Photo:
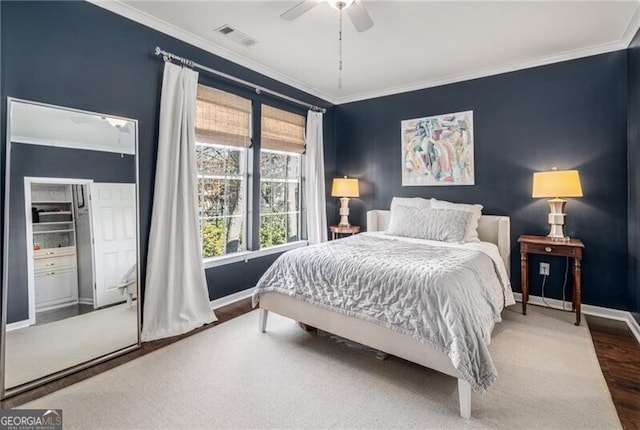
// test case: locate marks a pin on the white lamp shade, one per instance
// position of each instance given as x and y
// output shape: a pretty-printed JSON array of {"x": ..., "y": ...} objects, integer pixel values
[{"x": 345, "y": 187}]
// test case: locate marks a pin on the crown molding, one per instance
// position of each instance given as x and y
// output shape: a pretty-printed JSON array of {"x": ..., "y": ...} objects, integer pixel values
[
  {"x": 632, "y": 28},
  {"x": 133, "y": 14},
  {"x": 152, "y": 22},
  {"x": 482, "y": 73}
]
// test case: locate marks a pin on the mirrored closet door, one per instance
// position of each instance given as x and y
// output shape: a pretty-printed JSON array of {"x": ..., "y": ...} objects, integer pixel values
[{"x": 70, "y": 287}]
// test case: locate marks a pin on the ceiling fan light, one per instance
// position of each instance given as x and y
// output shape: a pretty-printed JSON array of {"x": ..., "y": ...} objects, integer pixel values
[{"x": 340, "y": 4}]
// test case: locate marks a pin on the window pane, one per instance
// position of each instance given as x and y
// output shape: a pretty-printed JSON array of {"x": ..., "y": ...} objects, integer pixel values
[
  {"x": 221, "y": 198},
  {"x": 293, "y": 229},
  {"x": 222, "y": 235},
  {"x": 279, "y": 198},
  {"x": 293, "y": 197},
  {"x": 272, "y": 230},
  {"x": 293, "y": 166},
  {"x": 272, "y": 197},
  {"x": 219, "y": 160},
  {"x": 279, "y": 165},
  {"x": 273, "y": 164}
]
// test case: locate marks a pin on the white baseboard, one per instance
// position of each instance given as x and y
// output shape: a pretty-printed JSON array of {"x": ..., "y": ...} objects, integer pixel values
[
  {"x": 232, "y": 298},
  {"x": 19, "y": 324},
  {"x": 613, "y": 314}
]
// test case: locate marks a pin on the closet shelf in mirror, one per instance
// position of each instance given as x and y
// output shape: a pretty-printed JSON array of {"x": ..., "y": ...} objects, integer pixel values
[
  {"x": 54, "y": 222},
  {"x": 51, "y": 231},
  {"x": 55, "y": 213},
  {"x": 50, "y": 202}
]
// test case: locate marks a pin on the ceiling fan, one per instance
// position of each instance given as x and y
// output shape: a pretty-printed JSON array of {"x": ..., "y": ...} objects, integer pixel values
[{"x": 354, "y": 8}]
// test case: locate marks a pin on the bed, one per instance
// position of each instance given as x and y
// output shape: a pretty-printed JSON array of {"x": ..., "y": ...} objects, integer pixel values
[{"x": 395, "y": 340}]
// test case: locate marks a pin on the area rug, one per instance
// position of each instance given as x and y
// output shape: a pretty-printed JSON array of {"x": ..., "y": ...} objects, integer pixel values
[{"x": 231, "y": 376}]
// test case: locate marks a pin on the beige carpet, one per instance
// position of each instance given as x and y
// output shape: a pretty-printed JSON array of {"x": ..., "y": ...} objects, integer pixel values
[
  {"x": 231, "y": 376},
  {"x": 39, "y": 350}
]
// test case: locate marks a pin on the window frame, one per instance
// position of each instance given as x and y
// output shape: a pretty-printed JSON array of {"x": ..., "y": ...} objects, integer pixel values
[{"x": 253, "y": 179}]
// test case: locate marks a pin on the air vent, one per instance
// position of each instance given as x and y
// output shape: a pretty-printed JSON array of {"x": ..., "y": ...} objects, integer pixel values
[{"x": 236, "y": 36}]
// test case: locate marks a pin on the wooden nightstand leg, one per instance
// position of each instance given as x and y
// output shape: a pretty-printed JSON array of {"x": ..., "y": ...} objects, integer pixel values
[
  {"x": 524, "y": 273},
  {"x": 573, "y": 290},
  {"x": 576, "y": 288}
]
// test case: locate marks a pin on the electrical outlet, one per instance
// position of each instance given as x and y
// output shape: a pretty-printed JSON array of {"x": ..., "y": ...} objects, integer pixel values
[{"x": 544, "y": 268}]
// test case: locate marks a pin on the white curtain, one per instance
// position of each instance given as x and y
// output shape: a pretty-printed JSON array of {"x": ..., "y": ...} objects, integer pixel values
[
  {"x": 176, "y": 298},
  {"x": 314, "y": 180}
]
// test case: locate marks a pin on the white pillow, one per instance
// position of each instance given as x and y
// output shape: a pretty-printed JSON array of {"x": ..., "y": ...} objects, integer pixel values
[
  {"x": 411, "y": 202},
  {"x": 471, "y": 234},
  {"x": 445, "y": 225}
]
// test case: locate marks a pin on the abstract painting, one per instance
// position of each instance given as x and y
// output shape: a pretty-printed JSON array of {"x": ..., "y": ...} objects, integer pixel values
[{"x": 438, "y": 150}]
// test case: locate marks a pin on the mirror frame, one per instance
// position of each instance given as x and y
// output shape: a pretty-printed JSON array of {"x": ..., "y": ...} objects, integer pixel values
[{"x": 4, "y": 392}]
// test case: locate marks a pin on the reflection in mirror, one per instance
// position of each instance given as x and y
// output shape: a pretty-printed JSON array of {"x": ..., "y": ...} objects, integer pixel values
[{"x": 71, "y": 278}]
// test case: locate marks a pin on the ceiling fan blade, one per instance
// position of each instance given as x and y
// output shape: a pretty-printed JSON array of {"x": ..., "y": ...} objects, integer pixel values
[
  {"x": 359, "y": 16},
  {"x": 302, "y": 7}
]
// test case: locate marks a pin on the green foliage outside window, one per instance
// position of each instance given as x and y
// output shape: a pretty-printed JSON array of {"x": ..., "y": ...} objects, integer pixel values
[
  {"x": 213, "y": 240},
  {"x": 272, "y": 231}
]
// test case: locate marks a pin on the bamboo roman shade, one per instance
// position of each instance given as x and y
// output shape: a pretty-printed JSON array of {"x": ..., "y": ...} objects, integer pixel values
[
  {"x": 222, "y": 118},
  {"x": 282, "y": 130}
]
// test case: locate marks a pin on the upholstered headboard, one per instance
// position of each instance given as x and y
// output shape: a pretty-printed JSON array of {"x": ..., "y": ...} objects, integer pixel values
[{"x": 491, "y": 228}]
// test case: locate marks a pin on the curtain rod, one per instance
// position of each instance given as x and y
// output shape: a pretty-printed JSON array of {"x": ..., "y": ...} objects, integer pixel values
[{"x": 168, "y": 56}]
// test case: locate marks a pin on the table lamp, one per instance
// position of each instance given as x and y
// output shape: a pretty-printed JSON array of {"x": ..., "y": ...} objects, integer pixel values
[
  {"x": 556, "y": 184},
  {"x": 345, "y": 188}
]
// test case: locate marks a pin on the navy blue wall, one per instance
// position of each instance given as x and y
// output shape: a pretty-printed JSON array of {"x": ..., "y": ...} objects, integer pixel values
[
  {"x": 569, "y": 115},
  {"x": 634, "y": 172},
  {"x": 78, "y": 55}
]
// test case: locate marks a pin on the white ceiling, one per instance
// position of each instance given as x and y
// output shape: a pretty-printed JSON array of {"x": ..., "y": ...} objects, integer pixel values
[{"x": 413, "y": 44}]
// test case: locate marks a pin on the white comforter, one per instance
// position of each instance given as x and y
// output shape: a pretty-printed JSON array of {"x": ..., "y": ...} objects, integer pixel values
[{"x": 447, "y": 295}]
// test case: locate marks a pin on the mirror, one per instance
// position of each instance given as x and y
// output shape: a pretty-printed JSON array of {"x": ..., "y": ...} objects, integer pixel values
[{"x": 70, "y": 284}]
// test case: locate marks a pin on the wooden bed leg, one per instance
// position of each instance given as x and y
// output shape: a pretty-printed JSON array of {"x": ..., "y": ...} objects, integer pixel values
[
  {"x": 263, "y": 320},
  {"x": 464, "y": 396}
]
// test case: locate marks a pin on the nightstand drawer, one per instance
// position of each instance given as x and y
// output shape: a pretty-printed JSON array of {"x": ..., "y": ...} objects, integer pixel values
[{"x": 551, "y": 249}]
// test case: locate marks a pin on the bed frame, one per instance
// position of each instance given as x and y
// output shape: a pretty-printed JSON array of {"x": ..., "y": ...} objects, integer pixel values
[{"x": 495, "y": 229}]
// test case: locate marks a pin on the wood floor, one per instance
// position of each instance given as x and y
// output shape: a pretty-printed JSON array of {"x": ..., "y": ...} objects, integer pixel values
[
  {"x": 617, "y": 349},
  {"x": 619, "y": 354}
]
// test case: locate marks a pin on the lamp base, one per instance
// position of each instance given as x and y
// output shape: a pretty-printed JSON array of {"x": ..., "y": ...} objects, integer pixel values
[
  {"x": 556, "y": 219},
  {"x": 344, "y": 212}
]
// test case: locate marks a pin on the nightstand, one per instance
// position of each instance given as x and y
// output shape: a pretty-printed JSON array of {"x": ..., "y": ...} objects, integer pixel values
[
  {"x": 337, "y": 230},
  {"x": 546, "y": 246}
]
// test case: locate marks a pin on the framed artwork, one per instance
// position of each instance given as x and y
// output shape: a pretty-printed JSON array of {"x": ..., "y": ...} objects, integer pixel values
[{"x": 438, "y": 150}]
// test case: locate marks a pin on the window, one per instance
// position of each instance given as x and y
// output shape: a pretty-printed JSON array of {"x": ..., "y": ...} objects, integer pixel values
[
  {"x": 226, "y": 177},
  {"x": 279, "y": 198},
  {"x": 282, "y": 140},
  {"x": 223, "y": 134}
]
